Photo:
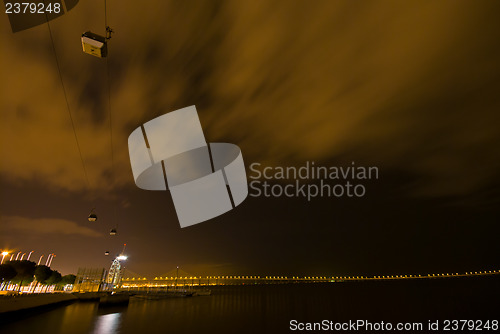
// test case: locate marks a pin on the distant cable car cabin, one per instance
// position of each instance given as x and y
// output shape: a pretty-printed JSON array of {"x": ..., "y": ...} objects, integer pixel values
[
  {"x": 94, "y": 44},
  {"x": 113, "y": 231},
  {"x": 92, "y": 217}
]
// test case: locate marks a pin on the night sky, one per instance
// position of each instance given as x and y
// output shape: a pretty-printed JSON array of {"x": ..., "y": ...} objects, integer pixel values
[{"x": 411, "y": 87}]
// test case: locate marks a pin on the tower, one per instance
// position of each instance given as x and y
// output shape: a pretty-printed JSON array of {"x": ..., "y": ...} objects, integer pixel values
[
  {"x": 115, "y": 274},
  {"x": 115, "y": 271}
]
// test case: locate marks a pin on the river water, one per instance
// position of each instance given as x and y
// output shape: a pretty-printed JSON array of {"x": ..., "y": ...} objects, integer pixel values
[{"x": 271, "y": 308}]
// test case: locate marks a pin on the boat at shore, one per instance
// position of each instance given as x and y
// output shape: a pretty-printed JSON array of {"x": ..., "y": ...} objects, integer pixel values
[
  {"x": 88, "y": 296},
  {"x": 114, "y": 298}
]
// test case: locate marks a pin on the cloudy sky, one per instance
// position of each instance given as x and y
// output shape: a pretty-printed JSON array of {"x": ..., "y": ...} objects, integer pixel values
[{"x": 411, "y": 87}]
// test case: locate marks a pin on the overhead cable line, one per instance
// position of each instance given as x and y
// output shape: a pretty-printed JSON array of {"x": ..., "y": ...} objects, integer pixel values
[
  {"x": 67, "y": 103},
  {"x": 108, "y": 36}
]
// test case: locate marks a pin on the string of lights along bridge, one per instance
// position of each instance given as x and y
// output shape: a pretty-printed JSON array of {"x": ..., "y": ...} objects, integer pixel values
[{"x": 135, "y": 282}]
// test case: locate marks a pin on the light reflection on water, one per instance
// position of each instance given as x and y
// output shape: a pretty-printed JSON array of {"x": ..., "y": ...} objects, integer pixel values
[
  {"x": 76, "y": 318},
  {"x": 107, "y": 324}
]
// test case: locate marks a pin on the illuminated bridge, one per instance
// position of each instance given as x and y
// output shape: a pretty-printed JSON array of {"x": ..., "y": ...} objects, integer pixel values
[{"x": 172, "y": 281}]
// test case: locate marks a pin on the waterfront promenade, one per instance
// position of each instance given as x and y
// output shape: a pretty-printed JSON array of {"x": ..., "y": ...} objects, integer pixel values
[{"x": 21, "y": 302}]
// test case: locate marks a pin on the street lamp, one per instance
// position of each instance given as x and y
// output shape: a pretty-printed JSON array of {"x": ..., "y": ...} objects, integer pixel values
[
  {"x": 4, "y": 254},
  {"x": 52, "y": 258}
]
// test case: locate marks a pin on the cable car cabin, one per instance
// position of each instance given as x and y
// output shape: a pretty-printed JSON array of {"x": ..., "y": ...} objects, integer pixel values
[
  {"x": 113, "y": 231},
  {"x": 94, "y": 44},
  {"x": 92, "y": 217}
]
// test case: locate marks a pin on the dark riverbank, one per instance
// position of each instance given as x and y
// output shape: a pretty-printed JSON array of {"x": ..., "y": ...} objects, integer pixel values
[{"x": 20, "y": 306}]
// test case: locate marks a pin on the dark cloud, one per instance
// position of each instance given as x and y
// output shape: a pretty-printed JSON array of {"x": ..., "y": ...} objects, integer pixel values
[
  {"x": 312, "y": 81},
  {"x": 408, "y": 86},
  {"x": 44, "y": 226}
]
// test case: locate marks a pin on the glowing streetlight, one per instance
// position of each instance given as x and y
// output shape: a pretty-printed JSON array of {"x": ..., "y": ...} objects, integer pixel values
[
  {"x": 52, "y": 258},
  {"x": 48, "y": 259},
  {"x": 4, "y": 254}
]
